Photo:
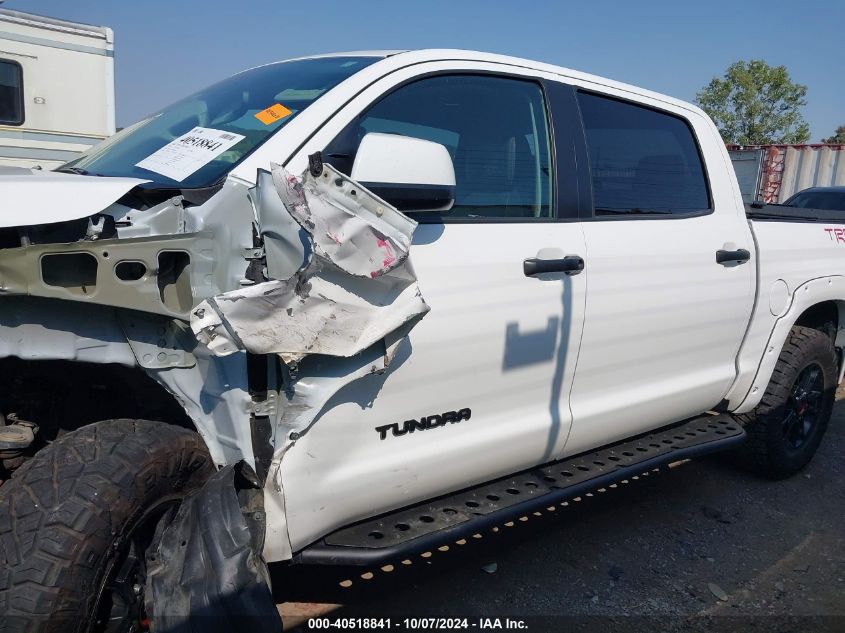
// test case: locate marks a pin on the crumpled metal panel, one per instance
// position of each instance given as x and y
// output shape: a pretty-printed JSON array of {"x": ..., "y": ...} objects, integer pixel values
[
  {"x": 33, "y": 328},
  {"x": 283, "y": 243},
  {"x": 356, "y": 287}
]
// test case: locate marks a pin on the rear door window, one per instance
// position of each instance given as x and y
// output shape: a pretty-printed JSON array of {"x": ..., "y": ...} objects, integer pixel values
[
  {"x": 642, "y": 161},
  {"x": 11, "y": 93}
]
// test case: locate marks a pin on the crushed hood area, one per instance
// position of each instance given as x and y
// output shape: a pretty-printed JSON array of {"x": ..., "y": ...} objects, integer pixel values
[
  {"x": 305, "y": 278},
  {"x": 44, "y": 197}
]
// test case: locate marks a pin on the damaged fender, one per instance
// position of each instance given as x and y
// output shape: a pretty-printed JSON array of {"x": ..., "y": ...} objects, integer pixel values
[
  {"x": 339, "y": 317},
  {"x": 206, "y": 574}
]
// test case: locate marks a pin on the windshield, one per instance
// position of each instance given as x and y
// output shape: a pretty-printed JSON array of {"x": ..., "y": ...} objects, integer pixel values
[
  {"x": 832, "y": 200},
  {"x": 195, "y": 142}
]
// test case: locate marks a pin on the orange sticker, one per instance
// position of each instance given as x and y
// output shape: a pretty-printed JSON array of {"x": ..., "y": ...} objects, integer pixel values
[{"x": 274, "y": 113}]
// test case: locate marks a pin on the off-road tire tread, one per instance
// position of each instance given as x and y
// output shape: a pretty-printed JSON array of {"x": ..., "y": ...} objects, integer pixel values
[
  {"x": 63, "y": 509},
  {"x": 802, "y": 345}
]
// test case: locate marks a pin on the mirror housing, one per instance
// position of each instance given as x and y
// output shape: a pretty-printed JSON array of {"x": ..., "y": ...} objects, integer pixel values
[{"x": 410, "y": 173}]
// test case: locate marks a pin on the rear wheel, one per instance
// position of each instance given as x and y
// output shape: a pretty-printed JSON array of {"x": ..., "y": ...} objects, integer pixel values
[
  {"x": 786, "y": 428},
  {"x": 77, "y": 519}
]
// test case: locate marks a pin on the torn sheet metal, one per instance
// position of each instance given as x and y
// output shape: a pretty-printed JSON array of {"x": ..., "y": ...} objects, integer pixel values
[
  {"x": 284, "y": 241},
  {"x": 207, "y": 574},
  {"x": 35, "y": 197},
  {"x": 355, "y": 288}
]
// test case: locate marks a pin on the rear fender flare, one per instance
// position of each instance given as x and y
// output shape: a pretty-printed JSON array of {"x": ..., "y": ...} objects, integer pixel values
[{"x": 807, "y": 295}]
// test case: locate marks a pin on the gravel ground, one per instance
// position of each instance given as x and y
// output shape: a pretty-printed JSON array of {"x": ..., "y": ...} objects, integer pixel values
[{"x": 701, "y": 546}]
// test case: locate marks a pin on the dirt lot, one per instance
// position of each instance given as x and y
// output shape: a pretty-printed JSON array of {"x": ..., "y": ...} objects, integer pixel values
[{"x": 700, "y": 546}]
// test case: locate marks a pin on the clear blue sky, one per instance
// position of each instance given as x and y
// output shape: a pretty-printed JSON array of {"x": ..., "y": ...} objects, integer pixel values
[{"x": 167, "y": 49}]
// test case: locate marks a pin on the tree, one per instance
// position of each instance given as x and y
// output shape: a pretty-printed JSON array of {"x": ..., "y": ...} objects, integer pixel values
[
  {"x": 838, "y": 136},
  {"x": 756, "y": 104}
]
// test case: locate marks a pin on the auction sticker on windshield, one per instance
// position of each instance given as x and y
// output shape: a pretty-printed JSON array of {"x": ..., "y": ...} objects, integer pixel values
[{"x": 183, "y": 156}]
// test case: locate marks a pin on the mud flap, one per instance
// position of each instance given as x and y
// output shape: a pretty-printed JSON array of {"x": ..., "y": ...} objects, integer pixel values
[{"x": 207, "y": 574}]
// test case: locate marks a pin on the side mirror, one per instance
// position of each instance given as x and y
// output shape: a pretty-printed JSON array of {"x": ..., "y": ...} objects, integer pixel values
[{"x": 410, "y": 173}]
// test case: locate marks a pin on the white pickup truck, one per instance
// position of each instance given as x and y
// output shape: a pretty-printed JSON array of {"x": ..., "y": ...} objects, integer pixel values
[{"x": 347, "y": 309}]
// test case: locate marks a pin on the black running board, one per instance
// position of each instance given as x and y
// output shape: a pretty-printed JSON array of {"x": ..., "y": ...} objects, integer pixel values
[{"x": 427, "y": 525}]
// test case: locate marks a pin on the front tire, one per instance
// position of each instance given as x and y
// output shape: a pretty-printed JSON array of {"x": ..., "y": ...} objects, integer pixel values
[
  {"x": 76, "y": 518},
  {"x": 786, "y": 428}
]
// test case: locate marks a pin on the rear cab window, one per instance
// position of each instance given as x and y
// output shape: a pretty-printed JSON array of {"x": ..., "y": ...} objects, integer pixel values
[
  {"x": 643, "y": 162},
  {"x": 11, "y": 93}
]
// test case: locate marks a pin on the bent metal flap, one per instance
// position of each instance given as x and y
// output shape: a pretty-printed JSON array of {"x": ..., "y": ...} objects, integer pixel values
[{"x": 354, "y": 288}]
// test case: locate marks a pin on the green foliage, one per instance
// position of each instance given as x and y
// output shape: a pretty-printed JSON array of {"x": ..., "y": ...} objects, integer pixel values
[
  {"x": 838, "y": 136},
  {"x": 756, "y": 104}
]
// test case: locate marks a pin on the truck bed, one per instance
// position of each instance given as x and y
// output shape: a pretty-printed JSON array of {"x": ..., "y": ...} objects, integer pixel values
[{"x": 783, "y": 213}]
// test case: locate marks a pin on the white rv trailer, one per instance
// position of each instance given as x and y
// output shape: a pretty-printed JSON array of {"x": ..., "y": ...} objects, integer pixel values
[{"x": 56, "y": 89}]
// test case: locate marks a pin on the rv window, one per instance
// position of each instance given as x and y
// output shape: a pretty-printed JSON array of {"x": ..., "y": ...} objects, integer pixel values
[{"x": 11, "y": 93}]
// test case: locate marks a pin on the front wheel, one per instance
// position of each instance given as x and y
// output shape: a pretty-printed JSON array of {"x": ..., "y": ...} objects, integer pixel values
[
  {"x": 786, "y": 428},
  {"x": 76, "y": 519}
]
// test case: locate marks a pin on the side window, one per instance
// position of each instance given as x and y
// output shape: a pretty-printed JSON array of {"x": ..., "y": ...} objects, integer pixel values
[
  {"x": 11, "y": 93},
  {"x": 495, "y": 129},
  {"x": 641, "y": 160}
]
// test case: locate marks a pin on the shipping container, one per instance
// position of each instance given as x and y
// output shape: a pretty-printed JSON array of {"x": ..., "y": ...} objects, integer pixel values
[{"x": 772, "y": 173}]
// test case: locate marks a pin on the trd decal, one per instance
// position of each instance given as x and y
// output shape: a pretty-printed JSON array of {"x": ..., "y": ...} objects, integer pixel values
[
  {"x": 423, "y": 424},
  {"x": 836, "y": 235}
]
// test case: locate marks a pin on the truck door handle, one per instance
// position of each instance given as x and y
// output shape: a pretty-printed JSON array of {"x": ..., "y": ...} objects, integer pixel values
[
  {"x": 726, "y": 257},
  {"x": 571, "y": 264}
]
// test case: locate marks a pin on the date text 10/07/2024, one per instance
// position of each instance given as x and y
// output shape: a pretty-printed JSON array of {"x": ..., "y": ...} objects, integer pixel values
[{"x": 414, "y": 624}]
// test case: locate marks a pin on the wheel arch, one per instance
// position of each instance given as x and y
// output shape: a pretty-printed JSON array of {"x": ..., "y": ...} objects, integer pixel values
[
  {"x": 118, "y": 350},
  {"x": 818, "y": 304},
  {"x": 826, "y": 316}
]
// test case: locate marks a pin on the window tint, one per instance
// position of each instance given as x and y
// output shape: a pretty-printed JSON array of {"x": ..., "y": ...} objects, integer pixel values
[
  {"x": 494, "y": 128},
  {"x": 11, "y": 93},
  {"x": 830, "y": 200},
  {"x": 641, "y": 160}
]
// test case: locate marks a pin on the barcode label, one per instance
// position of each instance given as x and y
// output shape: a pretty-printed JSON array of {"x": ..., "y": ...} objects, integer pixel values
[{"x": 184, "y": 155}]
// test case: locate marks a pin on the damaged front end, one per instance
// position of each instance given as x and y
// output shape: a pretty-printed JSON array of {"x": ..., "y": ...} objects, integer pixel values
[{"x": 220, "y": 298}]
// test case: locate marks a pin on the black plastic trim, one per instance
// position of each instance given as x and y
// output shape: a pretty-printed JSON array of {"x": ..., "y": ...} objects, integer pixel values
[
  {"x": 544, "y": 486},
  {"x": 570, "y": 264},
  {"x": 412, "y": 197},
  {"x": 573, "y": 197},
  {"x": 727, "y": 257}
]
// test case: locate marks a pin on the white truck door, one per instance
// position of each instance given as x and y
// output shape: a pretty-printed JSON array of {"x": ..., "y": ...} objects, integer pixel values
[
  {"x": 497, "y": 352},
  {"x": 664, "y": 319}
]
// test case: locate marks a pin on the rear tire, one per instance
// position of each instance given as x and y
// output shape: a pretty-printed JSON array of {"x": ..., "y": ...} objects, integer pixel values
[
  {"x": 71, "y": 522},
  {"x": 786, "y": 428}
]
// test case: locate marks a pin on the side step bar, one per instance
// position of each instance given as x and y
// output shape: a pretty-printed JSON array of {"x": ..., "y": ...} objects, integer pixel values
[{"x": 434, "y": 523}]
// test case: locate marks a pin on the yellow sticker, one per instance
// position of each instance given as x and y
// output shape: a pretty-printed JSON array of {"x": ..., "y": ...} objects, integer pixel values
[{"x": 275, "y": 112}]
